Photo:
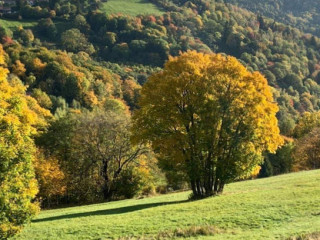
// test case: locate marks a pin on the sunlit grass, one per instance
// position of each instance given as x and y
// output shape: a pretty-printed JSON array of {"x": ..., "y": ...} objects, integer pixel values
[
  {"x": 131, "y": 7},
  {"x": 13, "y": 24},
  {"x": 272, "y": 208}
]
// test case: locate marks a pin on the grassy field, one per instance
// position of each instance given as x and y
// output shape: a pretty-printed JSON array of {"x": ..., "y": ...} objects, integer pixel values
[
  {"x": 131, "y": 7},
  {"x": 273, "y": 208},
  {"x": 12, "y": 24}
]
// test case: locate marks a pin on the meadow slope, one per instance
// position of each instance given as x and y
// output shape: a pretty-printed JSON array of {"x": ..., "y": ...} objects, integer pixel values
[
  {"x": 272, "y": 208},
  {"x": 130, "y": 7},
  {"x": 14, "y": 24}
]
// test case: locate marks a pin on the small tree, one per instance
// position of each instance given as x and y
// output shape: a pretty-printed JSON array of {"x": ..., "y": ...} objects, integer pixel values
[
  {"x": 102, "y": 142},
  {"x": 307, "y": 151},
  {"x": 74, "y": 41},
  {"x": 209, "y": 116},
  {"x": 50, "y": 179},
  {"x": 306, "y": 124},
  {"x": 47, "y": 28},
  {"x": 94, "y": 149}
]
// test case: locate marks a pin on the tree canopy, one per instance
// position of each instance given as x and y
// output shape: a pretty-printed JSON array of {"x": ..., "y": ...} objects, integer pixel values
[
  {"x": 210, "y": 116},
  {"x": 307, "y": 151}
]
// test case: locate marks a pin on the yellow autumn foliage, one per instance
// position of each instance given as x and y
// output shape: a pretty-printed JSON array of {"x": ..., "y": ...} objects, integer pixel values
[
  {"x": 50, "y": 177},
  {"x": 210, "y": 116},
  {"x": 21, "y": 118}
]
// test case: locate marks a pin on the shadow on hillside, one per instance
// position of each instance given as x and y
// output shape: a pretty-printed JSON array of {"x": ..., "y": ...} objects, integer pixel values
[{"x": 108, "y": 211}]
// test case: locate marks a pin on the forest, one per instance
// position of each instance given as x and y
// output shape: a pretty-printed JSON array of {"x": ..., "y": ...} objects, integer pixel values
[
  {"x": 300, "y": 14},
  {"x": 92, "y": 107}
]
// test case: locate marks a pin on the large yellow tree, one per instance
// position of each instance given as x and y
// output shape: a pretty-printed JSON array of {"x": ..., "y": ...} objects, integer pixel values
[
  {"x": 209, "y": 117},
  {"x": 20, "y": 116}
]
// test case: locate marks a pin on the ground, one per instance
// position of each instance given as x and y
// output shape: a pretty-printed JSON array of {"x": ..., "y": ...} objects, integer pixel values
[
  {"x": 12, "y": 24},
  {"x": 272, "y": 208},
  {"x": 130, "y": 7}
]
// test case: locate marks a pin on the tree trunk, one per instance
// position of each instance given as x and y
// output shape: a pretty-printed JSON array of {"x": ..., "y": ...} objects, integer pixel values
[
  {"x": 221, "y": 186},
  {"x": 209, "y": 186},
  {"x": 199, "y": 192},
  {"x": 202, "y": 189},
  {"x": 193, "y": 187},
  {"x": 204, "y": 180},
  {"x": 216, "y": 186},
  {"x": 107, "y": 193}
]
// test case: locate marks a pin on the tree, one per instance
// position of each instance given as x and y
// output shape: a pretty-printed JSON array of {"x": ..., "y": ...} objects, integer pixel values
[
  {"x": 307, "y": 151},
  {"x": 80, "y": 22},
  {"x": 279, "y": 163},
  {"x": 110, "y": 38},
  {"x": 19, "y": 69},
  {"x": 102, "y": 140},
  {"x": 50, "y": 179},
  {"x": 42, "y": 98},
  {"x": 75, "y": 41},
  {"x": 130, "y": 92},
  {"x": 93, "y": 149},
  {"x": 306, "y": 124},
  {"x": 20, "y": 116},
  {"x": 26, "y": 36},
  {"x": 210, "y": 116},
  {"x": 47, "y": 28}
]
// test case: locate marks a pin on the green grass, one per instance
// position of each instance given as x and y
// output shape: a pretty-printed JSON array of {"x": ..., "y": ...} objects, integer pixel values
[
  {"x": 131, "y": 7},
  {"x": 272, "y": 208},
  {"x": 12, "y": 24}
]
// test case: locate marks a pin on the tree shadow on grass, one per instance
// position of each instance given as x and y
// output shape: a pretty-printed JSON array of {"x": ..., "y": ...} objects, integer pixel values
[{"x": 112, "y": 211}]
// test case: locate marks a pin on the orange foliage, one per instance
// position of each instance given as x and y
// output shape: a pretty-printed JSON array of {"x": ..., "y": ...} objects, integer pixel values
[{"x": 19, "y": 68}]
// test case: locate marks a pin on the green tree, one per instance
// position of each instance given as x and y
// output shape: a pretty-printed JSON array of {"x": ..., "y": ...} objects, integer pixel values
[
  {"x": 74, "y": 41},
  {"x": 80, "y": 22},
  {"x": 210, "y": 116},
  {"x": 94, "y": 149},
  {"x": 47, "y": 28},
  {"x": 278, "y": 163},
  {"x": 306, "y": 124}
]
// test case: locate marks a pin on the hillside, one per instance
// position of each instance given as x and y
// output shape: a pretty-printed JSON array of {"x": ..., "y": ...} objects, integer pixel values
[
  {"x": 138, "y": 41},
  {"x": 304, "y": 15},
  {"x": 86, "y": 62},
  {"x": 277, "y": 207}
]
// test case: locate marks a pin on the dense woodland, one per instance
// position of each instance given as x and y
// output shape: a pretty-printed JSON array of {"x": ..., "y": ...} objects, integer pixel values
[
  {"x": 300, "y": 14},
  {"x": 79, "y": 74}
]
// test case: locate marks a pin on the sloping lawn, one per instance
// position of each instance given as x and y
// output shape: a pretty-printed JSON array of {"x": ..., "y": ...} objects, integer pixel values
[
  {"x": 12, "y": 24},
  {"x": 272, "y": 208},
  {"x": 131, "y": 7}
]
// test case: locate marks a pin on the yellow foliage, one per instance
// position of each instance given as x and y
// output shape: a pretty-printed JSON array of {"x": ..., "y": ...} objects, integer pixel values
[
  {"x": 144, "y": 172},
  {"x": 208, "y": 109},
  {"x": 18, "y": 68},
  {"x": 2, "y": 54},
  {"x": 91, "y": 99},
  {"x": 49, "y": 175},
  {"x": 198, "y": 22},
  {"x": 39, "y": 65},
  {"x": 20, "y": 119},
  {"x": 306, "y": 123}
]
